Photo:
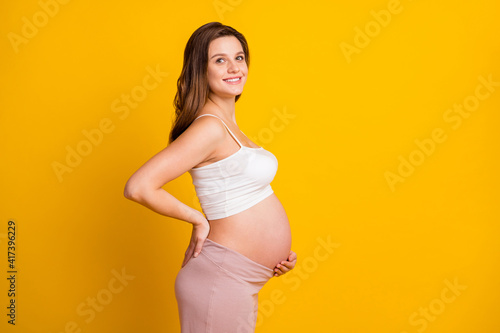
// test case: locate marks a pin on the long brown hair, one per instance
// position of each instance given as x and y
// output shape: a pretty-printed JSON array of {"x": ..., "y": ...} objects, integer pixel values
[{"x": 192, "y": 85}]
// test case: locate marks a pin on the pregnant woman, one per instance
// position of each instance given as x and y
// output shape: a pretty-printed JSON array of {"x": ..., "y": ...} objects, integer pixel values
[{"x": 243, "y": 236}]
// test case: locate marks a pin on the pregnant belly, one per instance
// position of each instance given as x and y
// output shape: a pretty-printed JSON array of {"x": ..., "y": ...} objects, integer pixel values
[{"x": 261, "y": 233}]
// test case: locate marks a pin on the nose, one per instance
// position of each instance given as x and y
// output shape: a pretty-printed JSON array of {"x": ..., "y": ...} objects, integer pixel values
[{"x": 233, "y": 67}]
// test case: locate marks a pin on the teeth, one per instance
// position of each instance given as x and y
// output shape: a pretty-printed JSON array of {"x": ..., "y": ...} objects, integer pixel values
[{"x": 232, "y": 80}]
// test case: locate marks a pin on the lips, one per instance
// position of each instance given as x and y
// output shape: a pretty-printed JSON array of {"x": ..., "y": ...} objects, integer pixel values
[{"x": 232, "y": 79}]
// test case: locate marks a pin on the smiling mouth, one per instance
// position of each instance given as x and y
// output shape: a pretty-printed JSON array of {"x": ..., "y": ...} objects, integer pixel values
[{"x": 232, "y": 80}]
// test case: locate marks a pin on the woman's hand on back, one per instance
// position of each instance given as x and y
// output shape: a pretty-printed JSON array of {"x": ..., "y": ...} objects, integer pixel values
[{"x": 198, "y": 236}]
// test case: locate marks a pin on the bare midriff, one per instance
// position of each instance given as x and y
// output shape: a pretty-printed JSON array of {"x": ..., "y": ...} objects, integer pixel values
[{"x": 261, "y": 232}]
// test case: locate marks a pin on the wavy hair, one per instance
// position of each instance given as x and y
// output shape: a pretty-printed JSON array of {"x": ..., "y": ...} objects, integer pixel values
[{"x": 192, "y": 84}]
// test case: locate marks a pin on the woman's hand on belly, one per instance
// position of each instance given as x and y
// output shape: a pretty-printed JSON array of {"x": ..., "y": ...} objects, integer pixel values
[{"x": 286, "y": 265}]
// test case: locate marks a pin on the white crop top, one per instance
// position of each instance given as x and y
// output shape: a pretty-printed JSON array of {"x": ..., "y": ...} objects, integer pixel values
[{"x": 235, "y": 183}]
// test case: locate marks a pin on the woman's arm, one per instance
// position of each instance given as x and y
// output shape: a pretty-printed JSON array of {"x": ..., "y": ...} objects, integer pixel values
[
  {"x": 164, "y": 203},
  {"x": 195, "y": 145}
]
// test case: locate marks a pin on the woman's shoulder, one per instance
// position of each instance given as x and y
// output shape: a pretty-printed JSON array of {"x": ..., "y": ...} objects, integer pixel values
[{"x": 208, "y": 125}]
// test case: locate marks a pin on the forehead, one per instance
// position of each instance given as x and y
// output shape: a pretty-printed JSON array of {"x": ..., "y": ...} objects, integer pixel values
[{"x": 226, "y": 44}]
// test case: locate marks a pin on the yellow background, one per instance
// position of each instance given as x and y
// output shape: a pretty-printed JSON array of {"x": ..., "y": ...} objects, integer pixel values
[{"x": 351, "y": 119}]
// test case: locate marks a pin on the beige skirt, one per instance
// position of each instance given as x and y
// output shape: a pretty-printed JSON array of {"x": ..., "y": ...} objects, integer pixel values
[{"x": 217, "y": 292}]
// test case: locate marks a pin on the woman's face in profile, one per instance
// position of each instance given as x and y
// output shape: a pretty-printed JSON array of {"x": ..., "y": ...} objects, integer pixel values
[{"x": 227, "y": 69}]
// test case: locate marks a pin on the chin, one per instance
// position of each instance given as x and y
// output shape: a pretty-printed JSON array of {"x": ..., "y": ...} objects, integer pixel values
[{"x": 228, "y": 94}]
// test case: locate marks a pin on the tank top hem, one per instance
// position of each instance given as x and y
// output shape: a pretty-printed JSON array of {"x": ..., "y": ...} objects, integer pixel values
[{"x": 264, "y": 194}]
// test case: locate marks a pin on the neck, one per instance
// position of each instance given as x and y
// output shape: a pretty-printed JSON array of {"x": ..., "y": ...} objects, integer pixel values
[{"x": 225, "y": 105}]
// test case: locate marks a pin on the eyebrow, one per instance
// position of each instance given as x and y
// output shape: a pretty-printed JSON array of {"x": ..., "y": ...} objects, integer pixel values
[{"x": 223, "y": 54}]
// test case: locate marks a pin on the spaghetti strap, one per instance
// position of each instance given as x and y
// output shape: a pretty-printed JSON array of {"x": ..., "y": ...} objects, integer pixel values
[{"x": 208, "y": 114}]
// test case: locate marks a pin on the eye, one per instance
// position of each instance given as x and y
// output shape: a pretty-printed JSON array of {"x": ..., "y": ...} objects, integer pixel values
[{"x": 220, "y": 60}]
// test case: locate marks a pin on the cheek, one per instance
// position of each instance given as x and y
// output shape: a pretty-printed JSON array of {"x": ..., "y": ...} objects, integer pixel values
[
  {"x": 213, "y": 76},
  {"x": 215, "y": 72}
]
